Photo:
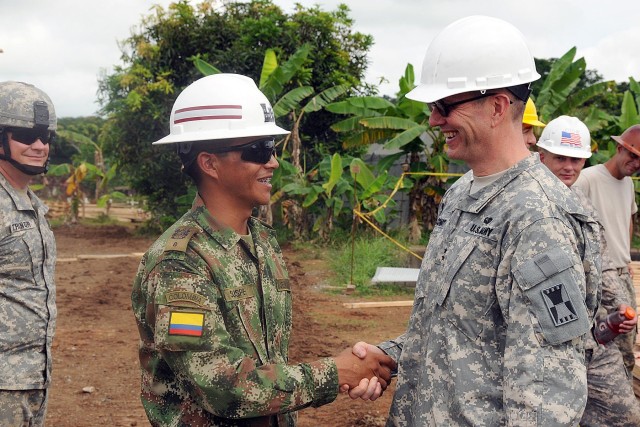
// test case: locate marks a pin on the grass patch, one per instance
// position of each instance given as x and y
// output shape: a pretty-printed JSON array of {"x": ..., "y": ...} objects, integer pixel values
[{"x": 368, "y": 253}]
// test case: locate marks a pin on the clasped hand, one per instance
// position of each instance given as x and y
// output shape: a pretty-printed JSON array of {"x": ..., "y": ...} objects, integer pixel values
[{"x": 364, "y": 371}]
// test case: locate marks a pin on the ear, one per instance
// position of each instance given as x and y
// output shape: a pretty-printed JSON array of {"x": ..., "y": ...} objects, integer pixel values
[
  {"x": 500, "y": 103},
  {"x": 208, "y": 164},
  {"x": 541, "y": 154}
]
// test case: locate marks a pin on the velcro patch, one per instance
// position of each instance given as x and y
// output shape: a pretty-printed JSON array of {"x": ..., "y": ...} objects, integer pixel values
[
  {"x": 179, "y": 239},
  {"x": 22, "y": 225},
  {"x": 185, "y": 296},
  {"x": 559, "y": 305},
  {"x": 238, "y": 293},
  {"x": 186, "y": 323},
  {"x": 283, "y": 284}
]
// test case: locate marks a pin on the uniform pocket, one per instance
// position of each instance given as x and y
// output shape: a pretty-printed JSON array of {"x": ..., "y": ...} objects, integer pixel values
[{"x": 467, "y": 291}]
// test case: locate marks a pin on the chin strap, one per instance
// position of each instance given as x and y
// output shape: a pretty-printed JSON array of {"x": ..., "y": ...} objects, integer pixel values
[{"x": 28, "y": 169}]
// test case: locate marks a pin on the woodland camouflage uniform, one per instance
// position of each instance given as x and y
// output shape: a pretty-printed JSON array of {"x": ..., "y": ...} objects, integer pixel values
[
  {"x": 502, "y": 308},
  {"x": 214, "y": 315},
  {"x": 611, "y": 401}
]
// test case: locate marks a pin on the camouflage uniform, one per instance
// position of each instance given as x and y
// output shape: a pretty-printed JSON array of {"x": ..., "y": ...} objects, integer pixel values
[
  {"x": 502, "y": 307},
  {"x": 214, "y": 316},
  {"x": 27, "y": 294},
  {"x": 611, "y": 401}
]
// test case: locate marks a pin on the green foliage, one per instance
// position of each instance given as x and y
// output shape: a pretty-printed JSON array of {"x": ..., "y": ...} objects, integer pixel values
[
  {"x": 329, "y": 193},
  {"x": 137, "y": 97},
  {"x": 401, "y": 124},
  {"x": 368, "y": 252}
]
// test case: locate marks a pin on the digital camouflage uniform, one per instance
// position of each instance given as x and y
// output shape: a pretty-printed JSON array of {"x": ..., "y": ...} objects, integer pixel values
[
  {"x": 502, "y": 307},
  {"x": 214, "y": 321},
  {"x": 611, "y": 401},
  {"x": 27, "y": 294}
]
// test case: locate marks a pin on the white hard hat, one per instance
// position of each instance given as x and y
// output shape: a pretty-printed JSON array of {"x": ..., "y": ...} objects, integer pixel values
[
  {"x": 473, "y": 54},
  {"x": 221, "y": 106},
  {"x": 566, "y": 136}
]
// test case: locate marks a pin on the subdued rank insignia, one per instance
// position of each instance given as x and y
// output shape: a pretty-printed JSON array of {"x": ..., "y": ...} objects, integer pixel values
[
  {"x": 559, "y": 305},
  {"x": 179, "y": 239}
]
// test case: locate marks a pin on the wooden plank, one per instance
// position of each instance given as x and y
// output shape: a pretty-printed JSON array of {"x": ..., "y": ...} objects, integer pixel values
[{"x": 378, "y": 304}]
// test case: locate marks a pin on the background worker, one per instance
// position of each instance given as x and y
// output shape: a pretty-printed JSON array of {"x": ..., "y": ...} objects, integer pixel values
[
  {"x": 529, "y": 120},
  {"x": 212, "y": 297},
  {"x": 502, "y": 304},
  {"x": 28, "y": 256},
  {"x": 564, "y": 146},
  {"x": 611, "y": 191}
]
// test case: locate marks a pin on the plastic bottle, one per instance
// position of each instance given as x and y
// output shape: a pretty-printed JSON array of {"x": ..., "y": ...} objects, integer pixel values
[{"x": 608, "y": 328}]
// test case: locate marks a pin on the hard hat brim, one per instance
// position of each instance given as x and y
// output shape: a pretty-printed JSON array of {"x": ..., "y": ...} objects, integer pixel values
[
  {"x": 566, "y": 152},
  {"x": 534, "y": 123},
  {"x": 620, "y": 141},
  {"x": 206, "y": 135}
]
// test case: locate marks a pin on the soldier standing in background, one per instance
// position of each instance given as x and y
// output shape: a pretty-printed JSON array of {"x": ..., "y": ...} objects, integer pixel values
[
  {"x": 28, "y": 253},
  {"x": 611, "y": 191},
  {"x": 212, "y": 297},
  {"x": 529, "y": 120},
  {"x": 564, "y": 146}
]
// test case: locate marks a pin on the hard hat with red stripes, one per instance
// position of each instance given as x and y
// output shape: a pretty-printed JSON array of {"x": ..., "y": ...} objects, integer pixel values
[{"x": 221, "y": 107}]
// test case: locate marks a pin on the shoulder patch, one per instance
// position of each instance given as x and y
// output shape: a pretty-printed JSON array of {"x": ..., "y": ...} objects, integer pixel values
[
  {"x": 186, "y": 323},
  {"x": 179, "y": 239},
  {"x": 185, "y": 296}
]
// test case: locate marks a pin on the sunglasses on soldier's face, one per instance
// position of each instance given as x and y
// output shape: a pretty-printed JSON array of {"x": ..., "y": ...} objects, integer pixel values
[
  {"x": 255, "y": 151},
  {"x": 445, "y": 108},
  {"x": 29, "y": 136}
]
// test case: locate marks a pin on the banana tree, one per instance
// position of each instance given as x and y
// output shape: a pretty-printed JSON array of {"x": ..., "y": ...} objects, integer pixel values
[
  {"x": 400, "y": 125},
  {"x": 558, "y": 94},
  {"x": 332, "y": 190}
]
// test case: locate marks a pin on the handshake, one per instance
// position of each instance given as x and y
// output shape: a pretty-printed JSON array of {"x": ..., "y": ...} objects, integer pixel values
[{"x": 364, "y": 371}]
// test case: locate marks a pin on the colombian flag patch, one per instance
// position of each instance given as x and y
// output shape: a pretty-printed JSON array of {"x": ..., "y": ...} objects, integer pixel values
[{"x": 186, "y": 323}]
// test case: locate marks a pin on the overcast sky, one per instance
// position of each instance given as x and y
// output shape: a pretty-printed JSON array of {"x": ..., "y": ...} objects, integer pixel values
[{"x": 62, "y": 46}]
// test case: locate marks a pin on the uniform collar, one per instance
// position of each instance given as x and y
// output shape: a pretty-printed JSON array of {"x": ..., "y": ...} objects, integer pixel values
[
  {"x": 20, "y": 203},
  {"x": 476, "y": 201},
  {"x": 224, "y": 235}
]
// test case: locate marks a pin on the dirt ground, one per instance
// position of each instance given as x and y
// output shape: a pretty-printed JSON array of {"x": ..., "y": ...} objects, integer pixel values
[{"x": 96, "y": 375}]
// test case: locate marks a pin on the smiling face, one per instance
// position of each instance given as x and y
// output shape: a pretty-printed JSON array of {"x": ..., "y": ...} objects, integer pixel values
[
  {"x": 567, "y": 169},
  {"x": 35, "y": 154},
  {"x": 626, "y": 163},
  {"x": 242, "y": 183},
  {"x": 462, "y": 126}
]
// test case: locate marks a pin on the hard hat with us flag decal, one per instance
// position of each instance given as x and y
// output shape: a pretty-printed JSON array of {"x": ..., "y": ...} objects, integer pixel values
[
  {"x": 566, "y": 136},
  {"x": 221, "y": 107}
]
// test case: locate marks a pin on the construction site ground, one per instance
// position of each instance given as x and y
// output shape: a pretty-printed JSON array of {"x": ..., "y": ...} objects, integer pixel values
[{"x": 96, "y": 376}]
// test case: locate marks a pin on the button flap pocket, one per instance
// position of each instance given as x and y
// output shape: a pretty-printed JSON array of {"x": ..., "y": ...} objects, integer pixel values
[
  {"x": 542, "y": 267},
  {"x": 555, "y": 299}
]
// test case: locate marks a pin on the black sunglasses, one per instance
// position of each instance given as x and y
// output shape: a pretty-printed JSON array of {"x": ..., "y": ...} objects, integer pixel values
[
  {"x": 255, "y": 151},
  {"x": 446, "y": 108},
  {"x": 29, "y": 136}
]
